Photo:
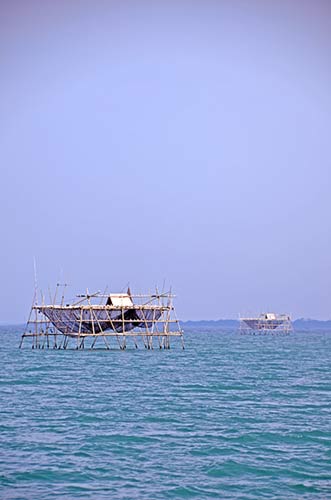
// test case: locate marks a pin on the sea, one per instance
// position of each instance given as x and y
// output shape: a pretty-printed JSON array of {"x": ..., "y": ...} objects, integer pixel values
[{"x": 230, "y": 417}]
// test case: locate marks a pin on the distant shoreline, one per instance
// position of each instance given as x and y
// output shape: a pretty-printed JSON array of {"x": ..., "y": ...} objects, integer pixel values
[
  {"x": 226, "y": 324},
  {"x": 298, "y": 324}
]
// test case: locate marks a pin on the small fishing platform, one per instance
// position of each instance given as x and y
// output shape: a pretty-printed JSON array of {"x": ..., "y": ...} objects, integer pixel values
[
  {"x": 94, "y": 318},
  {"x": 266, "y": 323}
]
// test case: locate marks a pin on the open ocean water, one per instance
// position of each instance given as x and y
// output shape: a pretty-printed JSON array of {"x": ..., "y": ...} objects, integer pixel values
[{"x": 238, "y": 417}]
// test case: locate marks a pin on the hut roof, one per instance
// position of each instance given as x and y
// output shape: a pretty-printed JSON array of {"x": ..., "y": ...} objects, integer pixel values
[{"x": 119, "y": 300}]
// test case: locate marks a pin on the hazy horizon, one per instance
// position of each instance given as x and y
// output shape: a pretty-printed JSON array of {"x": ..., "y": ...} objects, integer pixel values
[
  {"x": 12, "y": 323},
  {"x": 185, "y": 142}
]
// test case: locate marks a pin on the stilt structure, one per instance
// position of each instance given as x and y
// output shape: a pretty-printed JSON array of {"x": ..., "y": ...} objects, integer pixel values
[
  {"x": 266, "y": 323},
  {"x": 123, "y": 317}
]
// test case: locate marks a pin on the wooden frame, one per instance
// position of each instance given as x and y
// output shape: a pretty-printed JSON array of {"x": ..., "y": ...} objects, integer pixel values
[
  {"x": 266, "y": 323},
  {"x": 52, "y": 326}
]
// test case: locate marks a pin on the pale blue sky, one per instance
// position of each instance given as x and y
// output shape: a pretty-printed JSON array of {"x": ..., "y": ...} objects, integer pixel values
[{"x": 185, "y": 141}]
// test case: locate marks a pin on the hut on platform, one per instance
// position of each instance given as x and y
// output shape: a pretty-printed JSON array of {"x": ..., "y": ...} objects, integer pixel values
[
  {"x": 266, "y": 323},
  {"x": 99, "y": 319}
]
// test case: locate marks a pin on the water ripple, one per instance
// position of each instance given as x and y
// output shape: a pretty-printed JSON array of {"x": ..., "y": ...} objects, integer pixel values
[{"x": 229, "y": 417}]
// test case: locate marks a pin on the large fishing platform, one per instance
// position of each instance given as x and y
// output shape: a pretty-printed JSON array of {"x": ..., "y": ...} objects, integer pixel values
[
  {"x": 100, "y": 317},
  {"x": 266, "y": 323}
]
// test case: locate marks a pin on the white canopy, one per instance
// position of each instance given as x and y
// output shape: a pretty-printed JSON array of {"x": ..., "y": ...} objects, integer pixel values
[{"x": 120, "y": 300}]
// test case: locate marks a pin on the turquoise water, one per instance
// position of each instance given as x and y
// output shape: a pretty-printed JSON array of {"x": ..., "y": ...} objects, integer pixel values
[{"x": 230, "y": 417}]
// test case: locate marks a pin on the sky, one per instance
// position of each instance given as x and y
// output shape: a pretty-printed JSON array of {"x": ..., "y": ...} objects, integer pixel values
[{"x": 164, "y": 143}]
